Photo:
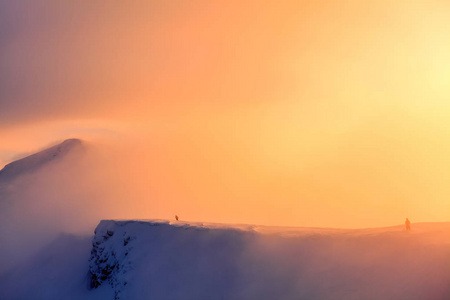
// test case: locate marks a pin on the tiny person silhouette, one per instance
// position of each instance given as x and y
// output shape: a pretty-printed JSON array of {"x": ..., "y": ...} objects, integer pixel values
[
  {"x": 408, "y": 224},
  {"x": 176, "y": 217}
]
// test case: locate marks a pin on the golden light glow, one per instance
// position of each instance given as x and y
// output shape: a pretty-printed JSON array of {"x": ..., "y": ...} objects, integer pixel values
[{"x": 307, "y": 113}]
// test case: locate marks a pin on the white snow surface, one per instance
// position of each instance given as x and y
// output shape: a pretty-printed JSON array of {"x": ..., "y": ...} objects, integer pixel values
[{"x": 157, "y": 259}]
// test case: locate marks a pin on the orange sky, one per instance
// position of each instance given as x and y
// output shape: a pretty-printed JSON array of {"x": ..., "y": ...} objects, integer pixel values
[{"x": 308, "y": 113}]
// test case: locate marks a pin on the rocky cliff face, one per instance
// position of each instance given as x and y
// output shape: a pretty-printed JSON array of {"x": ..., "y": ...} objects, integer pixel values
[{"x": 109, "y": 262}]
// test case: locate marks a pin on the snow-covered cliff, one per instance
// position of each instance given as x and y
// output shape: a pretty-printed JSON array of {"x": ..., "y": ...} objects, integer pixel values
[
  {"x": 139, "y": 260},
  {"x": 176, "y": 260},
  {"x": 166, "y": 260}
]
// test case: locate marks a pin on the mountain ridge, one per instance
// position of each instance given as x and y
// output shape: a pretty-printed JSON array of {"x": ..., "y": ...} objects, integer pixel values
[
  {"x": 37, "y": 160},
  {"x": 182, "y": 260}
]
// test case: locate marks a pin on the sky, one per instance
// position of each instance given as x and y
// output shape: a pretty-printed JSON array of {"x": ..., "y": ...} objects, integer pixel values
[{"x": 296, "y": 113}]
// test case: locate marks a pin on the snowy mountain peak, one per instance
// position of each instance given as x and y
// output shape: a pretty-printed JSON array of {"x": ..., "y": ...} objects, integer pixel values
[{"x": 35, "y": 161}]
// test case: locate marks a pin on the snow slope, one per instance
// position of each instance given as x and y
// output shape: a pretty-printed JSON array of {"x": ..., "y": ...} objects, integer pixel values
[
  {"x": 177, "y": 260},
  {"x": 160, "y": 260}
]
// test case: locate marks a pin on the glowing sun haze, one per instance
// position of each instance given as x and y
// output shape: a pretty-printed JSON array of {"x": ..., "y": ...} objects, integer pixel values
[{"x": 305, "y": 113}]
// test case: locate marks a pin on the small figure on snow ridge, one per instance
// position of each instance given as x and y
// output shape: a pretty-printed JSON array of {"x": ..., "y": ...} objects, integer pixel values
[{"x": 408, "y": 224}]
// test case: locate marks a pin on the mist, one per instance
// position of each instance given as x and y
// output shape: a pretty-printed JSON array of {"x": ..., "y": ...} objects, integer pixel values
[
  {"x": 284, "y": 113},
  {"x": 52, "y": 212},
  {"x": 217, "y": 113}
]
